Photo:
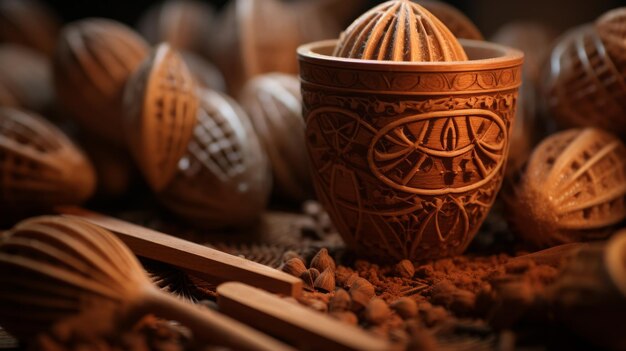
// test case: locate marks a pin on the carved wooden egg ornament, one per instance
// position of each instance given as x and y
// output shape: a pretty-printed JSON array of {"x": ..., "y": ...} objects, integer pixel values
[
  {"x": 399, "y": 30},
  {"x": 94, "y": 59},
  {"x": 455, "y": 20},
  {"x": 26, "y": 77},
  {"x": 274, "y": 104},
  {"x": 160, "y": 107},
  {"x": 584, "y": 82},
  {"x": 573, "y": 188},
  {"x": 29, "y": 23},
  {"x": 39, "y": 166},
  {"x": 407, "y": 138},
  {"x": 224, "y": 178},
  {"x": 257, "y": 37},
  {"x": 184, "y": 24}
]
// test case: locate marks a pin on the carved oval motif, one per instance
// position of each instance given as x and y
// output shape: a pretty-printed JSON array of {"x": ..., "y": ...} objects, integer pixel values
[{"x": 441, "y": 152}]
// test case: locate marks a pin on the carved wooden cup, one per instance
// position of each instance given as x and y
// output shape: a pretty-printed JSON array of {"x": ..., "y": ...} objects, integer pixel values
[{"x": 408, "y": 157}]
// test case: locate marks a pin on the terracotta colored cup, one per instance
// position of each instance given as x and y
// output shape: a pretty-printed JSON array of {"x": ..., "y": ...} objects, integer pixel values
[{"x": 408, "y": 157}]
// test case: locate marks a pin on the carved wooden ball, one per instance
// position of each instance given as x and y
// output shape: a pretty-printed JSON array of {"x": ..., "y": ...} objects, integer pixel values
[
  {"x": 94, "y": 59},
  {"x": 26, "y": 77},
  {"x": 60, "y": 268},
  {"x": 184, "y": 24},
  {"x": 399, "y": 30},
  {"x": 257, "y": 37},
  {"x": 29, "y": 23},
  {"x": 611, "y": 28},
  {"x": 39, "y": 166},
  {"x": 583, "y": 84},
  {"x": 459, "y": 24},
  {"x": 160, "y": 106},
  {"x": 274, "y": 104},
  {"x": 573, "y": 188},
  {"x": 224, "y": 178}
]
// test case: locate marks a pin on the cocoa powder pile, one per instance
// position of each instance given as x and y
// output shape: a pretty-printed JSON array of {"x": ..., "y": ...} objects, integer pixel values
[{"x": 459, "y": 302}]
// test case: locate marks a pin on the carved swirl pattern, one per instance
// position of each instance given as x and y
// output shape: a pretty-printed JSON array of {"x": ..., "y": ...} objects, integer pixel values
[
  {"x": 407, "y": 177},
  {"x": 408, "y": 83}
]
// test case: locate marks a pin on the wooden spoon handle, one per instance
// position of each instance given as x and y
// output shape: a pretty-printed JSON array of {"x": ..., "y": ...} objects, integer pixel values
[
  {"x": 294, "y": 323},
  {"x": 217, "y": 265},
  {"x": 209, "y": 326}
]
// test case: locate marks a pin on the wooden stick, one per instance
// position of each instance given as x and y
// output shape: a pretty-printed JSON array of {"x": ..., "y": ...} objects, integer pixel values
[
  {"x": 215, "y": 264},
  {"x": 209, "y": 326},
  {"x": 552, "y": 256},
  {"x": 296, "y": 324}
]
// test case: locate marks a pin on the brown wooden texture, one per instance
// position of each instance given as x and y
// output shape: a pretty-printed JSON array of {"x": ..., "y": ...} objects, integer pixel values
[
  {"x": 293, "y": 322},
  {"x": 399, "y": 30},
  {"x": 223, "y": 179},
  {"x": 160, "y": 114},
  {"x": 408, "y": 158},
  {"x": 274, "y": 104},
  {"x": 39, "y": 166},
  {"x": 211, "y": 263},
  {"x": 573, "y": 188},
  {"x": 68, "y": 271},
  {"x": 93, "y": 60}
]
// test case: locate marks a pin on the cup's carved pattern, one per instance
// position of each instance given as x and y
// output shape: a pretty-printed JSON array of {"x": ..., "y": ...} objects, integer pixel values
[
  {"x": 432, "y": 83},
  {"x": 408, "y": 170},
  {"x": 461, "y": 150}
]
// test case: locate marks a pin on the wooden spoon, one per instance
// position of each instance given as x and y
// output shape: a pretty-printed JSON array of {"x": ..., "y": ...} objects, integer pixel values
[
  {"x": 214, "y": 265},
  {"x": 56, "y": 268}
]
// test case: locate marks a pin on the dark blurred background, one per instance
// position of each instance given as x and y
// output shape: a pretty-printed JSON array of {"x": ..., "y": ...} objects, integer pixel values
[{"x": 488, "y": 15}]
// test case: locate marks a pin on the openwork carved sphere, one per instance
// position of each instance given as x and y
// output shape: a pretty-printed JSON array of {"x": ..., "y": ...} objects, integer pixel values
[
  {"x": 455, "y": 20},
  {"x": 93, "y": 61},
  {"x": 274, "y": 104},
  {"x": 584, "y": 81},
  {"x": 39, "y": 166},
  {"x": 161, "y": 106},
  {"x": 399, "y": 30},
  {"x": 573, "y": 188},
  {"x": 224, "y": 179},
  {"x": 611, "y": 28}
]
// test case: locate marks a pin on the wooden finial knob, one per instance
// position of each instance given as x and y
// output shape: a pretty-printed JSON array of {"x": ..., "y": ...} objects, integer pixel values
[{"x": 399, "y": 30}]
